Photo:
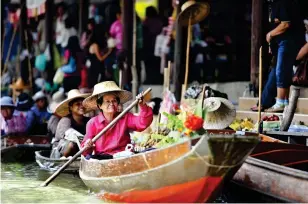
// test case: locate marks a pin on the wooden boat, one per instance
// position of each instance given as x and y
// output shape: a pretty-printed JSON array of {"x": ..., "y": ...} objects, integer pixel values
[
  {"x": 177, "y": 173},
  {"x": 43, "y": 159},
  {"x": 22, "y": 147},
  {"x": 278, "y": 170}
]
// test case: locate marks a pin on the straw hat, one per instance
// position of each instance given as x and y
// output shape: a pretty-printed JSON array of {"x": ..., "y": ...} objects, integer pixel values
[
  {"x": 220, "y": 113},
  {"x": 19, "y": 84},
  {"x": 103, "y": 88},
  {"x": 62, "y": 109},
  {"x": 196, "y": 10}
]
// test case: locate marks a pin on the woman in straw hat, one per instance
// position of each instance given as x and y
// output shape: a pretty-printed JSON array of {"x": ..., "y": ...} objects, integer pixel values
[
  {"x": 107, "y": 97},
  {"x": 72, "y": 112}
]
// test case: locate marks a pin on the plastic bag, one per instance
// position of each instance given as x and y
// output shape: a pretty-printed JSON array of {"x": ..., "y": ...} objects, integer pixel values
[
  {"x": 59, "y": 76},
  {"x": 40, "y": 62},
  {"x": 159, "y": 45}
]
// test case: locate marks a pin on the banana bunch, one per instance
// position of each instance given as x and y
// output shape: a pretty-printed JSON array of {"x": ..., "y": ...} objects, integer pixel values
[{"x": 243, "y": 124}]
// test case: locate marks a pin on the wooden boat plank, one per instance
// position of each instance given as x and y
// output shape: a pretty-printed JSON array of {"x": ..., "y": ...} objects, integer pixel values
[
  {"x": 274, "y": 180},
  {"x": 264, "y": 174}
]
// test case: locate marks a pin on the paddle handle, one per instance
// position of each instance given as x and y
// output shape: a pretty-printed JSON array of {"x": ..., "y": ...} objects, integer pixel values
[
  {"x": 260, "y": 92},
  {"x": 114, "y": 121}
]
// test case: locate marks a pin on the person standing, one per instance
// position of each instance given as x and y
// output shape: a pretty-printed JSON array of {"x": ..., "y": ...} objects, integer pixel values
[
  {"x": 285, "y": 40},
  {"x": 152, "y": 26}
]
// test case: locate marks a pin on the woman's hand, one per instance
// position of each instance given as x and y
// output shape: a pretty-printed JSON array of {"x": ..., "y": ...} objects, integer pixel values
[
  {"x": 140, "y": 98},
  {"x": 88, "y": 144}
]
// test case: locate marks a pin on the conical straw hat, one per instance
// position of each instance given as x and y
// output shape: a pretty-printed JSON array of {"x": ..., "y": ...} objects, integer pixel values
[
  {"x": 196, "y": 10},
  {"x": 103, "y": 88},
  {"x": 220, "y": 113},
  {"x": 62, "y": 109}
]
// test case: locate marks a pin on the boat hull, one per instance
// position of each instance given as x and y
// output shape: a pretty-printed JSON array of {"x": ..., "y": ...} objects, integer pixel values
[
  {"x": 22, "y": 147},
  {"x": 196, "y": 175},
  {"x": 46, "y": 163},
  {"x": 271, "y": 174}
]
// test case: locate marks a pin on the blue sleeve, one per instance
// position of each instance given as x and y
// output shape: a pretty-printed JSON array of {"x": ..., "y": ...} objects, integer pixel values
[{"x": 70, "y": 67}]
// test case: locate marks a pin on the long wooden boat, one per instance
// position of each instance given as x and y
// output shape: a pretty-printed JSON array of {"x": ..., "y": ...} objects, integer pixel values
[
  {"x": 278, "y": 170},
  {"x": 179, "y": 173},
  {"x": 22, "y": 147},
  {"x": 43, "y": 159}
]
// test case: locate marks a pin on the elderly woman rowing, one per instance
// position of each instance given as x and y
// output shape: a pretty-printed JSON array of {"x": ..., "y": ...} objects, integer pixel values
[{"x": 107, "y": 97}]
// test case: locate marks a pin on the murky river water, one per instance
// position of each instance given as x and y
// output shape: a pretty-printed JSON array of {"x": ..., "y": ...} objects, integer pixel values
[{"x": 20, "y": 184}]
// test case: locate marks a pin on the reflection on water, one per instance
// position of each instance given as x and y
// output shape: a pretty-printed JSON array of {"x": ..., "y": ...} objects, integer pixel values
[{"x": 20, "y": 184}]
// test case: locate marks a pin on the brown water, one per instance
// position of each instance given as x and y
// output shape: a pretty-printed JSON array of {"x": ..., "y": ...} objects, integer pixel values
[{"x": 20, "y": 184}]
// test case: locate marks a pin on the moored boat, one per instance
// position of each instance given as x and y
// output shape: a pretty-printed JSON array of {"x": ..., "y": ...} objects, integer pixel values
[
  {"x": 43, "y": 159},
  {"x": 279, "y": 170},
  {"x": 177, "y": 173},
  {"x": 22, "y": 147}
]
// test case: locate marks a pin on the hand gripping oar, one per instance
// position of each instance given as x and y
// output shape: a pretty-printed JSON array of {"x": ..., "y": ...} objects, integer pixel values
[{"x": 52, "y": 177}]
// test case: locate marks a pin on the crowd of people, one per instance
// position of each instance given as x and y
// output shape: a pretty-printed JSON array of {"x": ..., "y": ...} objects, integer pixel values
[{"x": 68, "y": 123}]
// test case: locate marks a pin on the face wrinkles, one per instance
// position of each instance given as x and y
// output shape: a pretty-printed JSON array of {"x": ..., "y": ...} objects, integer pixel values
[{"x": 110, "y": 103}]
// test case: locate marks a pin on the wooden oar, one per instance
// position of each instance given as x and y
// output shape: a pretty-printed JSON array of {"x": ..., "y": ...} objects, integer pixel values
[{"x": 52, "y": 177}]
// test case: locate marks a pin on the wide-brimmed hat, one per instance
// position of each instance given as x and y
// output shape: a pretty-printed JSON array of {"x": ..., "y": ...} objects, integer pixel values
[
  {"x": 197, "y": 11},
  {"x": 220, "y": 113},
  {"x": 7, "y": 101},
  {"x": 62, "y": 109},
  {"x": 103, "y": 88},
  {"x": 24, "y": 102},
  {"x": 19, "y": 84},
  {"x": 39, "y": 95}
]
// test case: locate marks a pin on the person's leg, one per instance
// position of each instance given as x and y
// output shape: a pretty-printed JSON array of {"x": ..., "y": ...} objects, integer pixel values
[
  {"x": 284, "y": 74},
  {"x": 70, "y": 149},
  {"x": 270, "y": 91}
]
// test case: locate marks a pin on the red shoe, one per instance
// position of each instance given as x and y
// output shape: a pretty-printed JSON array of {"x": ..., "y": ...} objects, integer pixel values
[{"x": 255, "y": 108}]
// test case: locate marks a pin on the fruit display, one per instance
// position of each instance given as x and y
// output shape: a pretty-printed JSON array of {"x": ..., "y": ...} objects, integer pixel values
[
  {"x": 271, "y": 122},
  {"x": 271, "y": 118},
  {"x": 242, "y": 124},
  {"x": 158, "y": 139}
]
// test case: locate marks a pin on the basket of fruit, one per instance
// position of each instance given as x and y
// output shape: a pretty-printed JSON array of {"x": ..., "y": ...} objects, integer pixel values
[{"x": 272, "y": 122}]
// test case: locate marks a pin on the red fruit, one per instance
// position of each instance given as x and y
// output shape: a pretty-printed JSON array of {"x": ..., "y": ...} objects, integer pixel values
[
  {"x": 265, "y": 118},
  {"x": 276, "y": 118},
  {"x": 271, "y": 119}
]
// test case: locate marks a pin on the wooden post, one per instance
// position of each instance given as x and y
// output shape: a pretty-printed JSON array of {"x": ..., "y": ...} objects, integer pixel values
[
  {"x": 256, "y": 38},
  {"x": 49, "y": 39},
  {"x": 260, "y": 127},
  {"x": 179, "y": 55},
  {"x": 134, "y": 57},
  {"x": 23, "y": 70},
  {"x": 290, "y": 110},
  {"x": 127, "y": 23},
  {"x": 83, "y": 15},
  {"x": 184, "y": 87}
]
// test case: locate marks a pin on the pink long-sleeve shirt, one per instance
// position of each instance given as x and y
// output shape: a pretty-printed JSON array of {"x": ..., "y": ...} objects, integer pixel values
[{"x": 117, "y": 137}]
